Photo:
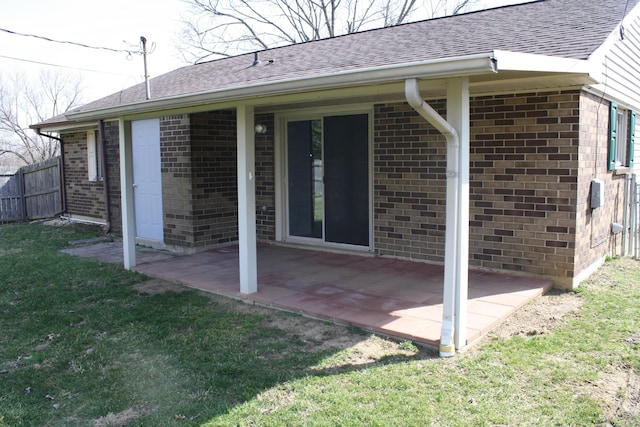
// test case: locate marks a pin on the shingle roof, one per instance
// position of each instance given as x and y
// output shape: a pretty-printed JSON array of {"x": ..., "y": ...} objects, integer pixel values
[{"x": 561, "y": 28}]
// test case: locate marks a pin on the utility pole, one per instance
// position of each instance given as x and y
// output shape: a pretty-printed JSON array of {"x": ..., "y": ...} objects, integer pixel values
[{"x": 146, "y": 74}]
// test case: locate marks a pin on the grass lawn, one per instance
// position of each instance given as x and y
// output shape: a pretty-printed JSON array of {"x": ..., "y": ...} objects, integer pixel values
[{"x": 79, "y": 346}]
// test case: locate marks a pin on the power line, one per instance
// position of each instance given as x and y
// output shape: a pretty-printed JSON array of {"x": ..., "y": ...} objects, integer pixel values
[
  {"x": 129, "y": 52},
  {"x": 64, "y": 66}
]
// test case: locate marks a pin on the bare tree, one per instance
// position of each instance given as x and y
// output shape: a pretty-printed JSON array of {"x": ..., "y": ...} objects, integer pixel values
[
  {"x": 219, "y": 28},
  {"x": 24, "y": 102}
]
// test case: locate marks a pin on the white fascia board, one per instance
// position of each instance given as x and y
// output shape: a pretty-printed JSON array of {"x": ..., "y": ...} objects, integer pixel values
[
  {"x": 65, "y": 127},
  {"x": 516, "y": 61},
  {"x": 432, "y": 69}
]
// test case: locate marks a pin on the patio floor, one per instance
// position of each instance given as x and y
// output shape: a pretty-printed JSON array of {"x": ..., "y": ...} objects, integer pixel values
[{"x": 384, "y": 295}]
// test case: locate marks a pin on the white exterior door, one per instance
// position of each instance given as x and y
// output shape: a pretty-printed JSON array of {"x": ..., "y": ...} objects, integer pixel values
[{"x": 147, "y": 179}]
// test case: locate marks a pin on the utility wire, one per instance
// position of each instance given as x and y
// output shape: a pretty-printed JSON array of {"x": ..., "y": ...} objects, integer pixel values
[
  {"x": 130, "y": 52},
  {"x": 64, "y": 66}
]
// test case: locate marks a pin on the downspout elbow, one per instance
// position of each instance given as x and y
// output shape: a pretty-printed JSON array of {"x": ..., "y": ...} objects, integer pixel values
[{"x": 415, "y": 100}]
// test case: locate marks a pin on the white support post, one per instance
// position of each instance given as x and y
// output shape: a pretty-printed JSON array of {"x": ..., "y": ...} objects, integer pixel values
[
  {"x": 449, "y": 297},
  {"x": 458, "y": 117},
  {"x": 127, "y": 199},
  {"x": 247, "y": 200}
]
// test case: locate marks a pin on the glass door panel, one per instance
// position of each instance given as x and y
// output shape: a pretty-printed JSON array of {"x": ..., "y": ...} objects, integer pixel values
[
  {"x": 346, "y": 153},
  {"x": 305, "y": 168}
]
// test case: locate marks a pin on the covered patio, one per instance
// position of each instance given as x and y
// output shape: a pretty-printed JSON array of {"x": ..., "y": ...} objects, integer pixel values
[{"x": 393, "y": 297}]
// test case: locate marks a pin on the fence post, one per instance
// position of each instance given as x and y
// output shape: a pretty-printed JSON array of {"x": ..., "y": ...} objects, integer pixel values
[
  {"x": 21, "y": 194},
  {"x": 63, "y": 195}
]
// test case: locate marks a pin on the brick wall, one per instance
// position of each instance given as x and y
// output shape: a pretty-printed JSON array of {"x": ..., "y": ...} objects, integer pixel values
[
  {"x": 83, "y": 197},
  {"x": 265, "y": 180},
  {"x": 524, "y": 172},
  {"x": 594, "y": 239},
  {"x": 199, "y": 179},
  {"x": 409, "y": 184},
  {"x": 214, "y": 175},
  {"x": 523, "y": 183},
  {"x": 176, "y": 170},
  {"x": 111, "y": 130}
]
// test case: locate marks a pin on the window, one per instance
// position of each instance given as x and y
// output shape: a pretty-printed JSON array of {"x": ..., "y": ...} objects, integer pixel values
[
  {"x": 622, "y": 123},
  {"x": 94, "y": 156}
]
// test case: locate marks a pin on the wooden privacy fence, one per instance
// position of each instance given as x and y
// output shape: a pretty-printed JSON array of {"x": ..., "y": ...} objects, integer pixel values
[{"x": 35, "y": 191}]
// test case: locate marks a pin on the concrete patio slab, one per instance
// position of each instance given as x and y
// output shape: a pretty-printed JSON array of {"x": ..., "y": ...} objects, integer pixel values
[{"x": 394, "y": 297}]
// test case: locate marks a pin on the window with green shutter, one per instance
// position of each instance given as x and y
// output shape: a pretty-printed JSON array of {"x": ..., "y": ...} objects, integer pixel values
[
  {"x": 631, "y": 137},
  {"x": 621, "y": 137},
  {"x": 613, "y": 134}
]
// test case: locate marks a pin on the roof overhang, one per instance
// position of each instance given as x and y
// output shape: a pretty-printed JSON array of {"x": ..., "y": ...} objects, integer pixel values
[
  {"x": 66, "y": 126},
  {"x": 490, "y": 72},
  {"x": 433, "y": 69}
]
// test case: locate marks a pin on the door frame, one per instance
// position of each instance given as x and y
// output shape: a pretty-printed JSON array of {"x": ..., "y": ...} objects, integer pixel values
[{"x": 281, "y": 179}]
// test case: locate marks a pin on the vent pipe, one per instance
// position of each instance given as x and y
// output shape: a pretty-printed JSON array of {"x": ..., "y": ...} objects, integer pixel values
[{"x": 256, "y": 60}]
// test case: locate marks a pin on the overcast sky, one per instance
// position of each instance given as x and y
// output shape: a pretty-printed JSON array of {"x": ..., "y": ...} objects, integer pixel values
[{"x": 115, "y": 24}]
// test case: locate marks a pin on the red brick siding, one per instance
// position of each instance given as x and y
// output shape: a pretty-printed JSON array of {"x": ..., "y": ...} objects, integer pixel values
[
  {"x": 83, "y": 197},
  {"x": 214, "y": 177},
  {"x": 265, "y": 180},
  {"x": 199, "y": 173},
  {"x": 111, "y": 130},
  {"x": 176, "y": 170},
  {"x": 523, "y": 183},
  {"x": 524, "y": 170},
  {"x": 409, "y": 184},
  {"x": 594, "y": 239}
]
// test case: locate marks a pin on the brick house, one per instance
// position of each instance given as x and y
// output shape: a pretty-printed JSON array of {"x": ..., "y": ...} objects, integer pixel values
[{"x": 341, "y": 144}]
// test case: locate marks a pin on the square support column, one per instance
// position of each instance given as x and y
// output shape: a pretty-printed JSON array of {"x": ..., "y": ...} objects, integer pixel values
[
  {"x": 247, "y": 200},
  {"x": 127, "y": 198},
  {"x": 458, "y": 117}
]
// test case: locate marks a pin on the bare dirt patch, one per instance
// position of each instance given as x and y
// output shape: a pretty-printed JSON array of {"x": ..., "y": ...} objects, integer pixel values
[
  {"x": 357, "y": 347},
  {"x": 157, "y": 286},
  {"x": 123, "y": 418},
  {"x": 619, "y": 390},
  {"x": 540, "y": 316}
]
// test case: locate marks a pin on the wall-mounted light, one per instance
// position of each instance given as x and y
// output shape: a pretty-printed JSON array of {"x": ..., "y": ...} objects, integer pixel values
[{"x": 260, "y": 129}]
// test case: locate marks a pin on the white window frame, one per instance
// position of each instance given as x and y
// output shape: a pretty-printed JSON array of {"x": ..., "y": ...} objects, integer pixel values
[
  {"x": 94, "y": 156},
  {"x": 622, "y": 142},
  {"x": 621, "y": 137}
]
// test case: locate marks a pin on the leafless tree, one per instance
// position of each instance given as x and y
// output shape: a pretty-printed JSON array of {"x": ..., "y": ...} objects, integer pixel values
[
  {"x": 219, "y": 28},
  {"x": 25, "y": 101}
]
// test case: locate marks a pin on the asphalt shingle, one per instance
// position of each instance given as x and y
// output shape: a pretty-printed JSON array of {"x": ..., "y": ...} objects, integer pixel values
[{"x": 561, "y": 28}]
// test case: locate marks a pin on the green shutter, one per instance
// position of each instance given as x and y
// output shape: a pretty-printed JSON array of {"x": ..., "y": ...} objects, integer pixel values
[
  {"x": 632, "y": 128},
  {"x": 613, "y": 132}
]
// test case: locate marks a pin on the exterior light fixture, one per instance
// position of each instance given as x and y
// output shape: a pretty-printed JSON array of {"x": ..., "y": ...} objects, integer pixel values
[{"x": 260, "y": 129}]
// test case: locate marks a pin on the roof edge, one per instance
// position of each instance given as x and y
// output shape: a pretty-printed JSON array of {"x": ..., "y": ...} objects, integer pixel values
[
  {"x": 483, "y": 63},
  {"x": 517, "y": 61}
]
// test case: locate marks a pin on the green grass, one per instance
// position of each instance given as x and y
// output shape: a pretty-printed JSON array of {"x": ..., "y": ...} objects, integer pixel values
[{"x": 79, "y": 347}]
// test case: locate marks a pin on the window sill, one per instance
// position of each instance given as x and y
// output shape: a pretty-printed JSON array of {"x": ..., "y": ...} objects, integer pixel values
[{"x": 622, "y": 171}]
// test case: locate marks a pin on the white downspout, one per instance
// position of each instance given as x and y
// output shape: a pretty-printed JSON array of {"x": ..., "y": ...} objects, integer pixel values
[{"x": 412, "y": 94}]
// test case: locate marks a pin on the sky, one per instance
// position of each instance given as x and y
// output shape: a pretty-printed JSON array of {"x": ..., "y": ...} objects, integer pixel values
[{"x": 114, "y": 24}]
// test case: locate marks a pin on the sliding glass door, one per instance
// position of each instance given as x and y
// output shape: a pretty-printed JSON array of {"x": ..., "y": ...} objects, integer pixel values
[{"x": 328, "y": 179}]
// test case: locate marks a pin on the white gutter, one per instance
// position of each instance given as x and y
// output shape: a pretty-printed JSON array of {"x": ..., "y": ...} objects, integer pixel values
[
  {"x": 447, "y": 67},
  {"x": 415, "y": 100},
  {"x": 517, "y": 61}
]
